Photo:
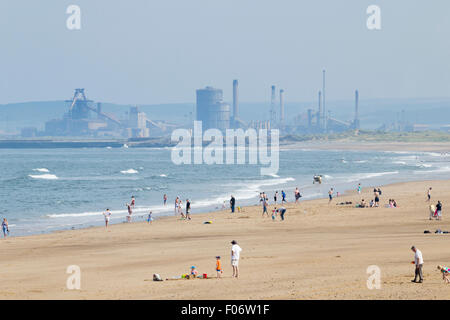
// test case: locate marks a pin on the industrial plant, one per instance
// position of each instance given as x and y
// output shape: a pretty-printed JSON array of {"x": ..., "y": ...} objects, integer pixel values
[
  {"x": 79, "y": 121},
  {"x": 215, "y": 113},
  {"x": 86, "y": 118}
]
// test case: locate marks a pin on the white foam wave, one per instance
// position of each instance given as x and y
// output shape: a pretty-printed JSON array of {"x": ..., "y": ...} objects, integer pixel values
[
  {"x": 363, "y": 176},
  {"x": 43, "y": 176},
  {"x": 41, "y": 170},
  {"x": 129, "y": 171},
  {"x": 163, "y": 175}
]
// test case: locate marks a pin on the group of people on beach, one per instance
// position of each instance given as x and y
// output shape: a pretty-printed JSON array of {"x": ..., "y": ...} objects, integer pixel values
[{"x": 179, "y": 208}]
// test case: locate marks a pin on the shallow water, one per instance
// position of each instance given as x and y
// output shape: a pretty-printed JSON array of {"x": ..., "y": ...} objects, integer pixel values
[{"x": 43, "y": 190}]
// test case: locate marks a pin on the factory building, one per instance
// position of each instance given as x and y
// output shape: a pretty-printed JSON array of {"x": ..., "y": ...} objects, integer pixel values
[
  {"x": 78, "y": 121},
  {"x": 211, "y": 110}
]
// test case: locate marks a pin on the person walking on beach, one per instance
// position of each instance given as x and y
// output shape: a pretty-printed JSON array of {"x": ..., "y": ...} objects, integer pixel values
[
  {"x": 5, "y": 227},
  {"x": 165, "y": 199},
  {"x": 188, "y": 209},
  {"x": 418, "y": 262},
  {"x": 235, "y": 254},
  {"x": 275, "y": 197},
  {"x": 330, "y": 195},
  {"x": 439, "y": 210},
  {"x": 176, "y": 205},
  {"x": 359, "y": 188},
  {"x": 232, "y": 203},
  {"x": 297, "y": 195},
  {"x": 264, "y": 205},
  {"x": 107, "y": 215},
  {"x": 429, "y": 194},
  {"x": 180, "y": 209},
  {"x": 130, "y": 212},
  {"x": 283, "y": 197}
]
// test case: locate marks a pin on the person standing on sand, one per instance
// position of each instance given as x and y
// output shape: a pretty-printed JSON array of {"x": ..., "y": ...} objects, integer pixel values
[
  {"x": 165, "y": 199},
  {"x": 107, "y": 215},
  {"x": 264, "y": 205},
  {"x": 188, "y": 209},
  {"x": 218, "y": 267},
  {"x": 130, "y": 212},
  {"x": 439, "y": 210},
  {"x": 176, "y": 206},
  {"x": 418, "y": 261},
  {"x": 283, "y": 197},
  {"x": 297, "y": 195},
  {"x": 330, "y": 195},
  {"x": 232, "y": 203},
  {"x": 275, "y": 197},
  {"x": 5, "y": 227},
  {"x": 359, "y": 188},
  {"x": 429, "y": 194},
  {"x": 235, "y": 254}
]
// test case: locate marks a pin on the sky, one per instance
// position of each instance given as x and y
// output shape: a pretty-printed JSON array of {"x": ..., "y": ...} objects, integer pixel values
[{"x": 161, "y": 51}]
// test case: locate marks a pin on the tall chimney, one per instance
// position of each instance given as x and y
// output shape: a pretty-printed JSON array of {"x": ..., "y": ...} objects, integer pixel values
[
  {"x": 323, "y": 99},
  {"x": 235, "y": 100},
  {"x": 272, "y": 105},
  {"x": 319, "y": 113},
  {"x": 281, "y": 106},
  {"x": 356, "y": 109}
]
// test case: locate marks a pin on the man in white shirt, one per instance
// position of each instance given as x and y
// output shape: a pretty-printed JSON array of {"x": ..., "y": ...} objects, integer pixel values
[
  {"x": 235, "y": 253},
  {"x": 418, "y": 261}
]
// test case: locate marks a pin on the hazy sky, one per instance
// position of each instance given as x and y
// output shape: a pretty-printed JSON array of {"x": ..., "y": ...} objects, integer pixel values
[{"x": 160, "y": 51}]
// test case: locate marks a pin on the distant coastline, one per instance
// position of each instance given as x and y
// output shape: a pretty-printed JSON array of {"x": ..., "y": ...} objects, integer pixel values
[{"x": 367, "y": 140}]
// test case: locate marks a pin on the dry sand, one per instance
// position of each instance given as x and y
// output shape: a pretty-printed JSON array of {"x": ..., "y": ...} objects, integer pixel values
[{"x": 320, "y": 251}]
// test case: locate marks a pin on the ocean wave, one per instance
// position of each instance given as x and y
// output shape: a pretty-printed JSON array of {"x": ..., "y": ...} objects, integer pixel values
[
  {"x": 41, "y": 170},
  {"x": 363, "y": 176},
  {"x": 129, "y": 171},
  {"x": 438, "y": 170},
  {"x": 43, "y": 176},
  {"x": 163, "y": 175}
]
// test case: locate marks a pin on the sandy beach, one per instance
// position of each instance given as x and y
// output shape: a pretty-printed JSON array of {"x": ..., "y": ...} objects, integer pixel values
[{"x": 320, "y": 251}]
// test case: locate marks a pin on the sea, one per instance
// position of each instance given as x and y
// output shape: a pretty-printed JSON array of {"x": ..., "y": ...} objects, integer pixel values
[{"x": 45, "y": 190}]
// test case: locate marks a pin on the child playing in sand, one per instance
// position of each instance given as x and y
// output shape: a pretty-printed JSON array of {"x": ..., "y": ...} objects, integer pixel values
[
  {"x": 194, "y": 272},
  {"x": 150, "y": 218},
  {"x": 218, "y": 267},
  {"x": 445, "y": 273},
  {"x": 274, "y": 213}
]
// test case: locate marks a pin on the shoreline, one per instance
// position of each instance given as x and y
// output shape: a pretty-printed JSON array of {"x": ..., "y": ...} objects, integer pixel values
[{"x": 143, "y": 218}]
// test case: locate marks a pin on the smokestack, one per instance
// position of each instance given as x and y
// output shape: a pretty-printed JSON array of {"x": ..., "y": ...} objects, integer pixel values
[
  {"x": 281, "y": 106},
  {"x": 356, "y": 109},
  {"x": 235, "y": 100},
  {"x": 323, "y": 99},
  {"x": 272, "y": 105},
  {"x": 319, "y": 113}
]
